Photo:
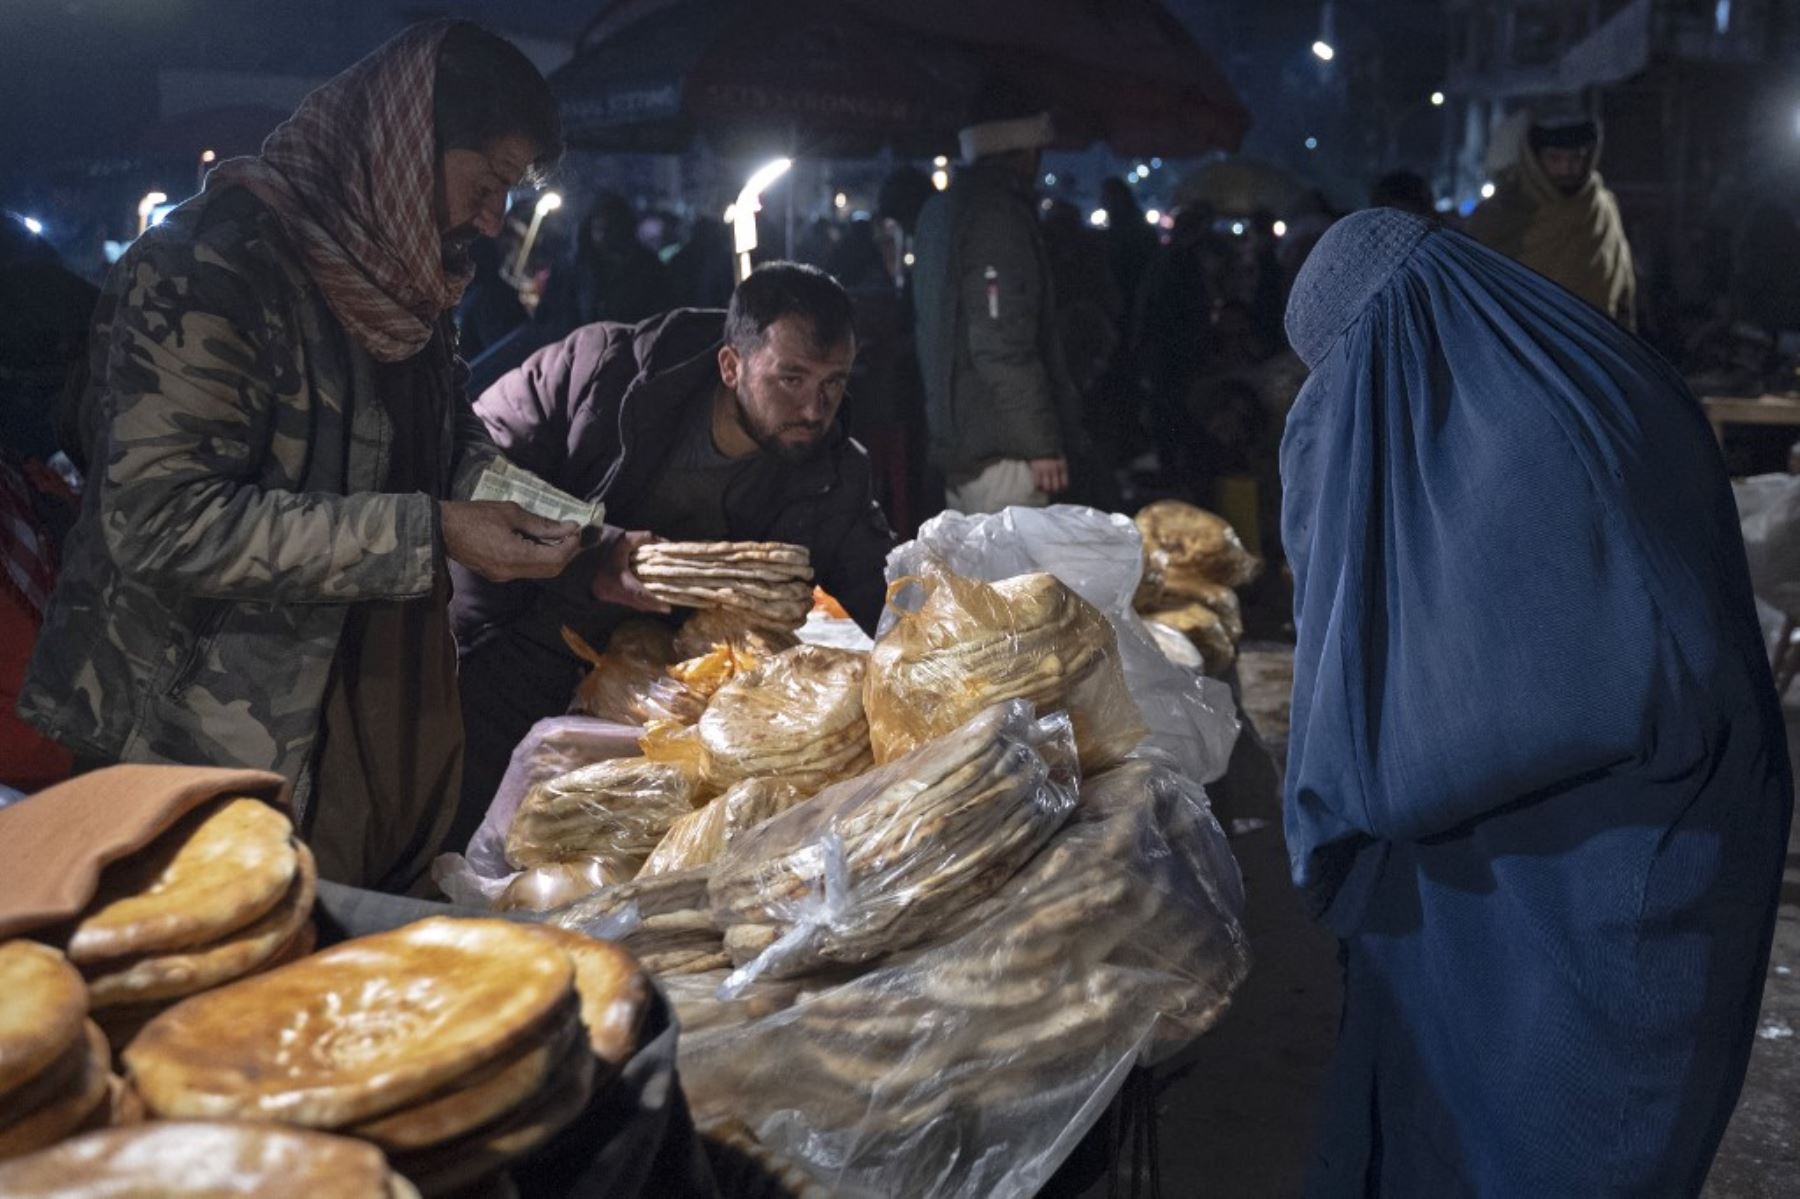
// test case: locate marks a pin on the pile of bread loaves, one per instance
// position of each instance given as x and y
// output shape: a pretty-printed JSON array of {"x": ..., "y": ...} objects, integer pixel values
[
  {"x": 1194, "y": 562},
  {"x": 443, "y": 1050}
]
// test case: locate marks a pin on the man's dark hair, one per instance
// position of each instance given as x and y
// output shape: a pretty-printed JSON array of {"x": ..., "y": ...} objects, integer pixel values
[
  {"x": 486, "y": 89},
  {"x": 1405, "y": 191},
  {"x": 781, "y": 289}
]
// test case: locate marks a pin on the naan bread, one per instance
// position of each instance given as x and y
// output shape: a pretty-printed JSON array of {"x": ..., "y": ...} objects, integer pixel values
[
  {"x": 357, "y": 1031},
  {"x": 42, "y": 1005},
  {"x": 218, "y": 869},
  {"x": 615, "y": 994},
  {"x": 170, "y": 976},
  {"x": 74, "y": 1086},
  {"x": 176, "y": 1160}
]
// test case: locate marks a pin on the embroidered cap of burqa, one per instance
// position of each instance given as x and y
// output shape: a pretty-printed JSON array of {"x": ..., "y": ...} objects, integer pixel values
[{"x": 1537, "y": 778}]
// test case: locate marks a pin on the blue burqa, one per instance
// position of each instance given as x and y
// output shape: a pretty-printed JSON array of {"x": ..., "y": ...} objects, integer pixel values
[{"x": 1538, "y": 781}]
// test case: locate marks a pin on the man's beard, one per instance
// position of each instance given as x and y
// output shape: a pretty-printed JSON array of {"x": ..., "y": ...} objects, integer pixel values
[
  {"x": 769, "y": 440},
  {"x": 456, "y": 253}
]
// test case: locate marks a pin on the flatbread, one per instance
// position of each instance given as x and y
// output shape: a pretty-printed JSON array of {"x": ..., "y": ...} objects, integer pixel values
[
  {"x": 778, "y": 551},
  {"x": 764, "y": 590},
  {"x": 182, "y": 1160},
  {"x": 615, "y": 993},
  {"x": 359, "y": 1030},
  {"x": 175, "y": 975},
  {"x": 42, "y": 1005},
  {"x": 218, "y": 869},
  {"x": 448, "y": 1167},
  {"x": 481, "y": 1098},
  {"x": 79, "y": 1090},
  {"x": 756, "y": 572}
]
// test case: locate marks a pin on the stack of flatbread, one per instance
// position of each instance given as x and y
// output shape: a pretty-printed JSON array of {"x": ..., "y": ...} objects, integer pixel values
[
  {"x": 710, "y": 628},
  {"x": 55, "y": 1068},
  {"x": 669, "y": 928},
  {"x": 875, "y": 864},
  {"x": 227, "y": 891},
  {"x": 797, "y": 718},
  {"x": 201, "y": 1160},
  {"x": 617, "y": 810},
  {"x": 768, "y": 580},
  {"x": 973, "y": 644},
  {"x": 456, "y": 1046},
  {"x": 701, "y": 836},
  {"x": 1193, "y": 561}
]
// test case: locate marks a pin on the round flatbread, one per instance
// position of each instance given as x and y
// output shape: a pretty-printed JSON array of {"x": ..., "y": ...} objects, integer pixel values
[
  {"x": 615, "y": 992},
  {"x": 180, "y": 1160},
  {"x": 449, "y": 1167},
  {"x": 218, "y": 869},
  {"x": 778, "y": 551},
  {"x": 480, "y": 1099},
  {"x": 174, "y": 975},
  {"x": 42, "y": 1004},
  {"x": 80, "y": 1088},
  {"x": 359, "y": 1030}
]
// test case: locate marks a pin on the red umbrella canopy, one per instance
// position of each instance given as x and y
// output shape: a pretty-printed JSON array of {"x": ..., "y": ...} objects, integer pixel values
[{"x": 855, "y": 75}]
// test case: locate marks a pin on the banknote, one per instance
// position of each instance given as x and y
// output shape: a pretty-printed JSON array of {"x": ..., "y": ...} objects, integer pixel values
[{"x": 504, "y": 481}]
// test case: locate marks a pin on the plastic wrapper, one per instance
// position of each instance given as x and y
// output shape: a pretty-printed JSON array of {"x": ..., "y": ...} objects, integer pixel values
[
  {"x": 557, "y": 884},
  {"x": 710, "y": 628},
  {"x": 1187, "y": 546},
  {"x": 629, "y": 683},
  {"x": 970, "y": 1067},
  {"x": 553, "y": 747},
  {"x": 969, "y": 645},
  {"x": 1201, "y": 626},
  {"x": 699, "y": 1005},
  {"x": 616, "y": 811},
  {"x": 1176, "y": 647},
  {"x": 700, "y": 837},
  {"x": 875, "y": 864},
  {"x": 797, "y": 717},
  {"x": 663, "y": 920},
  {"x": 1769, "y": 514},
  {"x": 1099, "y": 555}
]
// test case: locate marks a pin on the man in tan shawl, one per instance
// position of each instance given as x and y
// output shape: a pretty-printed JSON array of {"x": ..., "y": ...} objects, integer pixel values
[{"x": 1551, "y": 212}]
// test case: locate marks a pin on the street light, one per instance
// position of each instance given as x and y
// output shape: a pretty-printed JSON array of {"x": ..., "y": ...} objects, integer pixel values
[
  {"x": 940, "y": 179},
  {"x": 1279, "y": 228},
  {"x": 1323, "y": 51},
  {"x": 1487, "y": 191},
  {"x": 1152, "y": 217},
  {"x": 208, "y": 156},
  {"x": 1437, "y": 99},
  {"x": 1097, "y": 218},
  {"x": 742, "y": 214},
  {"x": 1312, "y": 143},
  {"x": 146, "y": 206},
  {"x": 547, "y": 203},
  {"x": 36, "y": 226}
]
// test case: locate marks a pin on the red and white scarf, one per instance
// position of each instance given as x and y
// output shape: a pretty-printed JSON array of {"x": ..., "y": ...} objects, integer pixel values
[{"x": 351, "y": 176}]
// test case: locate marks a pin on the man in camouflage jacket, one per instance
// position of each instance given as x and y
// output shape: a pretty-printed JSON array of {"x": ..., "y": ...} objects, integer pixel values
[{"x": 277, "y": 439}]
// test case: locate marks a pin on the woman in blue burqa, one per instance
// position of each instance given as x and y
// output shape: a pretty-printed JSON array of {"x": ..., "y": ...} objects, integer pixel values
[{"x": 1538, "y": 780}]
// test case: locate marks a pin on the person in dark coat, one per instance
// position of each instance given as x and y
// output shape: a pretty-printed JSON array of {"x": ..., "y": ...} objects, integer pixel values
[
  {"x": 617, "y": 277},
  {"x": 1538, "y": 778},
  {"x": 490, "y": 309},
  {"x": 692, "y": 426}
]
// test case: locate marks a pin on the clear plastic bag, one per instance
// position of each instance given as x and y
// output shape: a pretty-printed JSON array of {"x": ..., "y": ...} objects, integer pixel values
[
  {"x": 875, "y": 864},
  {"x": 616, "y": 811},
  {"x": 557, "y": 884},
  {"x": 797, "y": 717},
  {"x": 1099, "y": 555},
  {"x": 663, "y": 920},
  {"x": 630, "y": 683},
  {"x": 701, "y": 837},
  {"x": 1769, "y": 513},
  {"x": 969, "y": 645},
  {"x": 969, "y": 1068},
  {"x": 710, "y": 628},
  {"x": 553, "y": 747},
  {"x": 1203, "y": 628}
]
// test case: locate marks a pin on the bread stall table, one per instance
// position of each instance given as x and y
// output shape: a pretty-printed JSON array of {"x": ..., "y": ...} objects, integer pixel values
[
  {"x": 933, "y": 973},
  {"x": 1750, "y": 410}
]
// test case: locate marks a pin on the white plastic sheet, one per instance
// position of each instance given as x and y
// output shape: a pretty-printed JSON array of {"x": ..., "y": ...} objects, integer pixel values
[
  {"x": 1769, "y": 513},
  {"x": 1100, "y": 556}
]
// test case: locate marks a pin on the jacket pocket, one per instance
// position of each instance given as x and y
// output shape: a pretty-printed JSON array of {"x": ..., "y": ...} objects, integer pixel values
[{"x": 206, "y": 631}]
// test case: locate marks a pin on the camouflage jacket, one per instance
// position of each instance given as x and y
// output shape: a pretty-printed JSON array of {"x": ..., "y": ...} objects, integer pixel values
[{"x": 233, "y": 511}]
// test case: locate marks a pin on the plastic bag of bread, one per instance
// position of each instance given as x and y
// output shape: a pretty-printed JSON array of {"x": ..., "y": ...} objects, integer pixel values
[
  {"x": 700, "y": 837},
  {"x": 797, "y": 717},
  {"x": 1188, "y": 546},
  {"x": 616, "y": 811},
  {"x": 1202, "y": 626},
  {"x": 969, "y": 645},
  {"x": 876, "y": 864},
  {"x": 557, "y": 884},
  {"x": 630, "y": 682},
  {"x": 710, "y": 628}
]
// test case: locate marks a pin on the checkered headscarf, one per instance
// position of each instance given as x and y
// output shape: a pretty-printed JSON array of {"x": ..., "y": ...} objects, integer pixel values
[{"x": 351, "y": 176}]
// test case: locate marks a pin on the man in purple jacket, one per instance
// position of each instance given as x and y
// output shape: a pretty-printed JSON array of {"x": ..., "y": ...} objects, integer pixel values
[{"x": 692, "y": 426}]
